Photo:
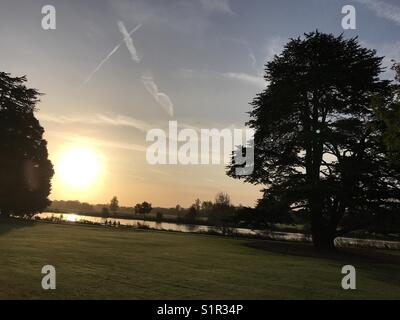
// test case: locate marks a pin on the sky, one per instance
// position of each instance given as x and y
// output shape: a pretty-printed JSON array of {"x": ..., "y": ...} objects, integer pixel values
[{"x": 112, "y": 70}]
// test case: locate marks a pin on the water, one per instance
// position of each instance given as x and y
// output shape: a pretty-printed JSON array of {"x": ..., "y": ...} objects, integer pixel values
[
  {"x": 272, "y": 235},
  {"x": 168, "y": 226}
]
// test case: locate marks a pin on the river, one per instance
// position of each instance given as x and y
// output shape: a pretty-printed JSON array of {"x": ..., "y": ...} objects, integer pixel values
[
  {"x": 264, "y": 234},
  {"x": 168, "y": 226}
]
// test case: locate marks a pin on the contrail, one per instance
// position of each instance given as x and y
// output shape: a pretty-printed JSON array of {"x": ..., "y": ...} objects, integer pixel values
[
  {"x": 128, "y": 42},
  {"x": 162, "y": 98},
  {"x": 110, "y": 54},
  {"x": 382, "y": 9}
]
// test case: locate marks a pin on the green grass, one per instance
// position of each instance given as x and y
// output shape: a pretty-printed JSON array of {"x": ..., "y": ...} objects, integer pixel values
[{"x": 97, "y": 262}]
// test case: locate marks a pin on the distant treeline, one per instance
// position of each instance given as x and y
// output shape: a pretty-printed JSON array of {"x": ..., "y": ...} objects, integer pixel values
[
  {"x": 75, "y": 206},
  {"x": 221, "y": 213},
  {"x": 217, "y": 212}
]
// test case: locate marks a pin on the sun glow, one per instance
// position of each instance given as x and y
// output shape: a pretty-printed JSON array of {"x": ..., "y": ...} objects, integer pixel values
[{"x": 78, "y": 167}]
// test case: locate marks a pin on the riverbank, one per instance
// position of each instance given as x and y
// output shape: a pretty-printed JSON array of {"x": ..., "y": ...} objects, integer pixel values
[
  {"x": 94, "y": 262},
  {"x": 304, "y": 230},
  {"x": 176, "y": 219},
  {"x": 225, "y": 231}
]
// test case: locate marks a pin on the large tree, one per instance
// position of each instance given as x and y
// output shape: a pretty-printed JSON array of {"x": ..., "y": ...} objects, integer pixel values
[
  {"x": 318, "y": 142},
  {"x": 25, "y": 170},
  {"x": 389, "y": 112}
]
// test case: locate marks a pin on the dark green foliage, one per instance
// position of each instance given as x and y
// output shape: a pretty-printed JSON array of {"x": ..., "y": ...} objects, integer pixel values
[
  {"x": 318, "y": 142},
  {"x": 25, "y": 170},
  {"x": 266, "y": 213},
  {"x": 389, "y": 112}
]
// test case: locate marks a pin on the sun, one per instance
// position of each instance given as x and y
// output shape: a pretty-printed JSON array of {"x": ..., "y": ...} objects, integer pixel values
[{"x": 78, "y": 167}]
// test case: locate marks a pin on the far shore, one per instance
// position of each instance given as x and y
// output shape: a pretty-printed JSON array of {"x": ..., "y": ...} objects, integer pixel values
[{"x": 356, "y": 240}]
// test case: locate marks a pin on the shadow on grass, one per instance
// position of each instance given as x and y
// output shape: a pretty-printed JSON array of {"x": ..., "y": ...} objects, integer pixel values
[
  {"x": 8, "y": 224},
  {"x": 349, "y": 255}
]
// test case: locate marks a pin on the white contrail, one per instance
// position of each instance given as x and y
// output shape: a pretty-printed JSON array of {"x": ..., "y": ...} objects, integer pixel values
[
  {"x": 220, "y": 6},
  {"x": 128, "y": 42},
  {"x": 255, "y": 80},
  {"x": 109, "y": 55},
  {"x": 383, "y": 9},
  {"x": 162, "y": 98}
]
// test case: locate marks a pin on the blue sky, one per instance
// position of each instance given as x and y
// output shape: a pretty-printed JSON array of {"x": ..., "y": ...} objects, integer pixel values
[{"x": 204, "y": 58}]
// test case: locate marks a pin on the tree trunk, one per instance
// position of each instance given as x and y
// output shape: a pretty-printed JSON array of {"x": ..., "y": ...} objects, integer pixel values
[
  {"x": 4, "y": 214},
  {"x": 323, "y": 235},
  {"x": 324, "y": 239}
]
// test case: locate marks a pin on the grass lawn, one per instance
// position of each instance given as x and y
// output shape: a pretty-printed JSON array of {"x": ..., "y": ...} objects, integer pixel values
[{"x": 98, "y": 262}]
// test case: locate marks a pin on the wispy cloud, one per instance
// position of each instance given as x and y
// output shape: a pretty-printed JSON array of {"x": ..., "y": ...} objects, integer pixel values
[
  {"x": 120, "y": 120},
  {"x": 56, "y": 119},
  {"x": 162, "y": 99},
  {"x": 102, "y": 143},
  {"x": 253, "y": 61},
  {"x": 98, "y": 119},
  {"x": 128, "y": 42},
  {"x": 102, "y": 62},
  {"x": 219, "y": 6},
  {"x": 250, "y": 54},
  {"x": 108, "y": 144},
  {"x": 390, "y": 51},
  {"x": 383, "y": 9},
  {"x": 248, "y": 78},
  {"x": 274, "y": 46}
]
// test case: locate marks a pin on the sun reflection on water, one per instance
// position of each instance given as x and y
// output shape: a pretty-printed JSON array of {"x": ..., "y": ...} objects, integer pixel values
[{"x": 71, "y": 217}]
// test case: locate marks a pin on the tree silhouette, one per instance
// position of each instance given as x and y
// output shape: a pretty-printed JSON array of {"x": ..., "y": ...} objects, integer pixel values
[
  {"x": 206, "y": 208},
  {"x": 197, "y": 205},
  {"x": 318, "y": 143},
  {"x": 25, "y": 170},
  {"x": 143, "y": 208},
  {"x": 104, "y": 212},
  {"x": 114, "y": 205},
  {"x": 178, "y": 208},
  {"x": 191, "y": 214},
  {"x": 222, "y": 210},
  {"x": 390, "y": 114}
]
